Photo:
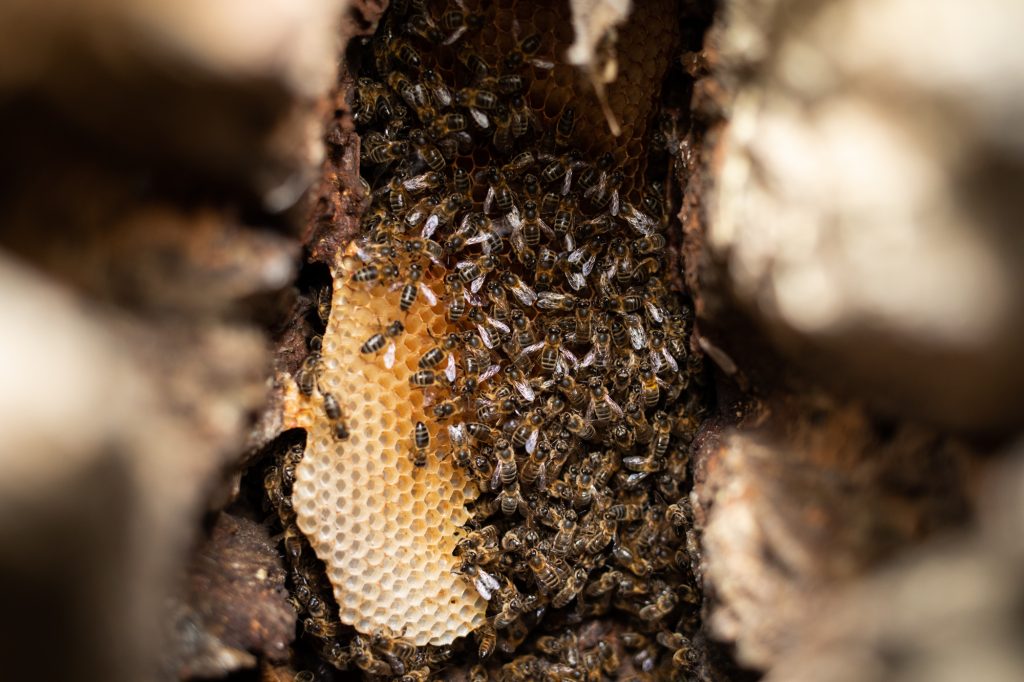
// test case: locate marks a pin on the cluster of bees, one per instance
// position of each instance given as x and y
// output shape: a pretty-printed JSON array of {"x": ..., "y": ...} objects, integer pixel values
[{"x": 566, "y": 388}]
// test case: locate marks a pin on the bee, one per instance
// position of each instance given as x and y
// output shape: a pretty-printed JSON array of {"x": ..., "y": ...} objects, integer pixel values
[
  {"x": 526, "y": 434},
  {"x": 574, "y": 393},
  {"x": 625, "y": 513},
  {"x": 474, "y": 272},
  {"x": 487, "y": 639},
  {"x": 631, "y": 561},
  {"x": 478, "y": 673},
  {"x": 494, "y": 406},
  {"x": 320, "y": 627},
  {"x": 446, "y": 125},
  {"x": 481, "y": 432},
  {"x": 604, "y": 193},
  {"x": 421, "y": 441},
  {"x": 436, "y": 85},
  {"x": 341, "y": 431},
  {"x": 510, "y": 84},
  {"x": 422, "y": 378},
  {"x": 473, "y": 62},
  {"x": 565, "y": 126},
  {"x": 559, "y": 168},
  {"x": 535, "y": 466},
  {"x": 547, "y": 300},
  {"x": 378, "y": 341},
  {"x": 518, "y": 288},
  {"x": 662, "y": 606},
  {"x": 309, "y": 373},
  {"x": 660, "y": 357},
  {"x": 578, "y": 426},
  {"x": 571, "y": 589},
  {"x": 653, "y": 243},
  {"x": 510, "y": 499},
  {"x": 565, "y": 220},
  {"x": 506, "y": 470},
  {"x": 544, "y": 573},
  {"x": 662, "y": 434},
  {"x": 461, "y": 181},
  {"x": 521, "y": 383},
  {"x": 553, "y": 356},
  {"x": 634, "y": 217},
  {"x": 498, "y": 192},
  {"x": 433, "y": 250},
  {"x": 602, "y": 407},
  {"x": 524, "y": 52},
  {"x": 591, "y": 174},
  {"x": 367, "y": 273},
  {"x": 486, "y": 325},
  {"x": 638, "y": 421},
  {"x": 586, "y": 256},
  {"x": 331, "y": 407},
  {"x": 430, "y": 154},
  {"x": 680, "y": 513},
  {"x": 402, "y": 51},
  {"x": 381, "y": 151},
  {"x": 413, "y": 287},
  {"x": 421, "y": 26},
  {"x": 532, "y": 225},
  {"x": 521, "y": 117},
  {"x": 430, "y": 180},
  {"x": 459, "y": 21},
  {"x": 371, "y": 101},
  {"x": 563, "y": 540}
]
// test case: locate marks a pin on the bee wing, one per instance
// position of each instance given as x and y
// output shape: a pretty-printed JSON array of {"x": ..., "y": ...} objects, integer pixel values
[
  {"x": 457, "y": 433},
  {"x": 463, "y": 264},
  {"x": 428, "y": 294},
  {"x": 456, "y": 35},
  {"x": 576, "y": 256},
  {"x": 524, "y": 293},
  {"x": 576, "y": 280},
  {"x": 489, "y": 199},
  {"x": 612, "y": 404},
  {"x": 525, "y": 390},
  {"x": 615, "y": 202},
  {"x": 483, "y": 588},
  {"x": 485, "y": 336},
  {"x": 542, "y": 63},
  {"x": 570, "y": 242},
  {"x": 670, "y": 360},
  {"x": 480, "y": 118},
  {"x": 488, "y": 373},
  {"x": 588, "y": 265},
  {"x": 499, "y": 324},
  {"x": 567, "y": 182},
  {"x": 531, "y": 442},
  {"x": 449, "y": 371},
  {"x": 589, "y": 358},
  {"x": 477, "y": 283},
  {"x": 496, "y": 478},
  {"x": 570, "y": 356},
  {"x": 654, "y": 311},
  {"x": 431, "y": 226},
  {"x": 389, "y": 356}
]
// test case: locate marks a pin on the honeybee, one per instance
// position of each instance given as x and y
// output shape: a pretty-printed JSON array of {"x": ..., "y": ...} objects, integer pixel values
[
  {"x": 478, "y": 673},
  {"x": 443, "y": 213},
  {"x": 380, "y": 339},
  {"x": 331, "y": 407},
  {"x": 547, "y": 300},
  {"x": 649, "y": 244},
  {"x": 562, "y": 543},
  {"x": 638, "y": 220},
  {"x": 631, "y": 561},
  {"x": 565, "y": 126},
  {"x": 534, "y": 468},
  {"x": 572, "y": 587},
  {"x": 498, "y": 191},
  {"x": 578, "y": 426},
  {"x": 544, "y": 573},
  {"x": 510, "y": 499},
  {"x": 586, "y": 256},
  {"x": 559, "y": 167},
  {"x": 602, "y": 407},
  {"x": 437, "y": 87},
  {"x": 485, "y": 324},
  {"x": 526, "y": 434},
  {"x": 485, "y": 583},
  {"x": 459, "y": 21},
  {"x": 604, "y": 193},
  {"x": 473, "y": 62},
  {"x": 413, "y": 286},
  {"x": 506, "y": 471},
  {"x": 486, "y": 639},
  {"x": 421, "y": 441},
  {"x": 662, "y": 606},
  {"x": 518, "y": 288},
  {"x": 371, "y": 101},
  {"x": 521, "y": 383},
  {"x": 427, "y": 151},
  {"x": 636, "y": 419},
  {"x": 421, "y": 26},
  {"x": 524, "y": 52},
  {"x": 446, "y": 125},
  {"x": 422, "y": 378},
  {"x": 308, "y": 375},
  {"x": 554, "y": 357},
  {"x": 521, "y": 117},
  {"x": 627, "y": 513},
  {"x": 680, "y": 513},
  {"x": 660, "y": 357},
  {"x": 474, "y": 272},
  {"x": 380, "y": 150}
]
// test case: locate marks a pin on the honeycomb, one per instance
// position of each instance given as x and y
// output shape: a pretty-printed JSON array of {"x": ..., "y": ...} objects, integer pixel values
[
  {"x": 571, "y": 369},
  {"x": 384, "y": 528}
]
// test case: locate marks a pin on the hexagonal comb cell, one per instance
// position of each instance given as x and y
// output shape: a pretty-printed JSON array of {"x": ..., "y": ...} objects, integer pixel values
[{"x": 363, "y": 531}]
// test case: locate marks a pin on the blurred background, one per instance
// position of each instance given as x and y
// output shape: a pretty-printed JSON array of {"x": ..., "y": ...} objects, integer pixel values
[{"x": 849, "y": 199}]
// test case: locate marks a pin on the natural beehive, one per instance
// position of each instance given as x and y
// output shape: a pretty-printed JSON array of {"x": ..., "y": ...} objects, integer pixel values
[{"x": 385, "y": 528}]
